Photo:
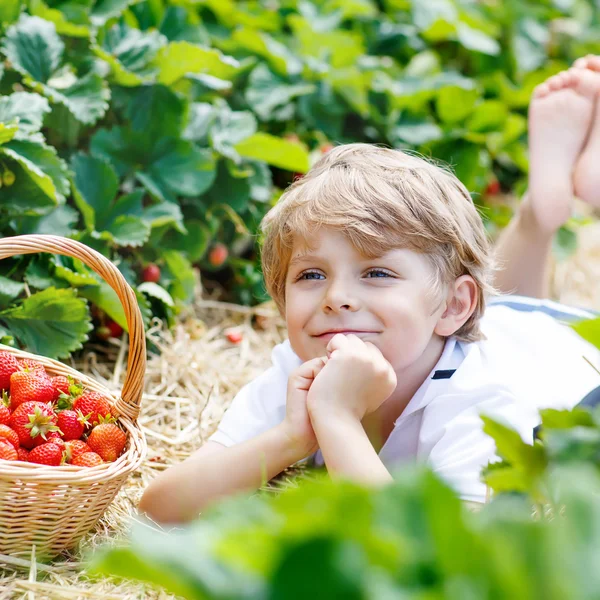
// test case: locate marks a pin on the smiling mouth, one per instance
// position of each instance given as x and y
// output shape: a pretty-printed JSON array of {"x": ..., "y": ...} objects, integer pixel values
[{"x": 345, "y": 332}]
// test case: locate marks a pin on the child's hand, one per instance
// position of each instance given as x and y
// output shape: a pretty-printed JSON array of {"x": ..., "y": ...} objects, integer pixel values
[
  {"x": 297, "y": 422},
  {"x": 356, "y": 380}
]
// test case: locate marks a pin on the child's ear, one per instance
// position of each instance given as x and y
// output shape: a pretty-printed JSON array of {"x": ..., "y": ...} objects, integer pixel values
[{"x": 460, "y": 304}]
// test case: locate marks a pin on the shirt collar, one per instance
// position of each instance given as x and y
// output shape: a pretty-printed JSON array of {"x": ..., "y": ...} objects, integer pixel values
[{"x": 451, "y": 358}]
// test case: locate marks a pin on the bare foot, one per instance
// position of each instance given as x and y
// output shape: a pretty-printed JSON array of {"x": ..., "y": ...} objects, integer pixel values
[
  {"x": 586, "y": 177},
  {"x": 560, "y": 115}
]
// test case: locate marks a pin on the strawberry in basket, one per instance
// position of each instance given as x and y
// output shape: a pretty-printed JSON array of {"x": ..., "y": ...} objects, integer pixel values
[
  {"x": 8, "y": 365},
  {"x": 31, "y": 384},
  {"x": 33, "y": 419}
]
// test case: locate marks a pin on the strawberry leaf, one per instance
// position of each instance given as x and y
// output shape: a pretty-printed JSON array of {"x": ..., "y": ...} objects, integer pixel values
[
  {"x": 33, "y": 47},
  {"x": 28, "y": 108},
  {"x": 52, "y": 322}
]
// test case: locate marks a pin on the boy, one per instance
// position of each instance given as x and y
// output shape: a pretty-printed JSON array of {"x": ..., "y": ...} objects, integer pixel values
[{"x": 381, "y": 266}]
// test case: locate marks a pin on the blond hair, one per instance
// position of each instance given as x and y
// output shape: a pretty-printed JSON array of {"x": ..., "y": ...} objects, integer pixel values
[{"x": 382, "y": 199}]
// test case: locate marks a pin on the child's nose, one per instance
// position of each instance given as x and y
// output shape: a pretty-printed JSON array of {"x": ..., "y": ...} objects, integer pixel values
[{"x": 339, "y": 297}]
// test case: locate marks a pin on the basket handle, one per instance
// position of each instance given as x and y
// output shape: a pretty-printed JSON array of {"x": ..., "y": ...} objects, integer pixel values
[{"x": 129, "y": 403}]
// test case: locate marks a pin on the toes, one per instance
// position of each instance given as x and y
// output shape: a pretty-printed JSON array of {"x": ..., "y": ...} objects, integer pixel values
[
  {"x": 585, "y": 82},
  {"x": 591, "y": 61},
  {"x": 557, "y": 82},
  {"x": 541, "y": 90}
]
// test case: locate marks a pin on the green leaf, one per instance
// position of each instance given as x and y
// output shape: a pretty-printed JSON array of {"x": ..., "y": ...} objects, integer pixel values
[
  {"x": 589, "y": 330},
  {"x": 181, "y": 58},
  {"x": 9, "y": 290},
  {"x": 353, "y": 85},
  {"x": 183, "y": 274},
  {"x": 157, "y": 111},
  {"x": 130, "y": 53},
  {"x": 95, "y": 187},
  {"x": 107, "y": 9},
  {"x": 183, "y": 168},
  {"x": 28, "y": 108},
  {"x": 274, "y": 151},
  {"x": 8, "y": 132},
  {"x": 453, "y": 104},
  {"x": 87, "y": 98},
  {"x": 566, "y": 419},
  {"x": 510, "y": 445},
  {"x": 200, "y": 120},
  {"x": 164, "y": 213},
  {"x": 156, "y": 291},
  {"x": 477, "y": 40},
  {"x": 52, "y": 322},
  {"x": 39, "y": 273},
  {"x": 10, "y": 11},
  {"x": 415, "y": 133},
  {"x": 426, "y": 14},
  {"x": 73, "y": 271},
  {"x": 194, "y": 242},
  {"x": 33, "y": 47},
  {"x": 59, "y": 221},
  {"x": 235, "y": 191},
  {"x": 269, "y": 96},
  {"x": 43, "y": 166},
  {"x": 262, "y": 44},
  {"x": 340, "y": 48},
  {"x": 564, "y": 243},
  {"x": 127, "y": 230},
  {"x": 230, "y": 128},
  {"x": 261, "y": 182},
  {"x": 488, "y": 116},
  {"x": 105, "y": 298},
  {"x": 63, "y": 26}
]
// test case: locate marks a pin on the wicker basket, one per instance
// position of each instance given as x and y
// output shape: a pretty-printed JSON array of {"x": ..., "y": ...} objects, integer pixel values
[{"x": 54, "y": 507}]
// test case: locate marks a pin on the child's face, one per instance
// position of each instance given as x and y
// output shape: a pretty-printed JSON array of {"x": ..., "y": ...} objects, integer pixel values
[{"x": 382, "y": 300}]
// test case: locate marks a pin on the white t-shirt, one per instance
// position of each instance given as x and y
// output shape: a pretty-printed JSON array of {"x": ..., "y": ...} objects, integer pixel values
[{"x": 528, "y": 361}]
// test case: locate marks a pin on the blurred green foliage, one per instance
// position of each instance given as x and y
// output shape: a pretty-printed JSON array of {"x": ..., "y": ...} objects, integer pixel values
[{"x": 153, "y": 130}]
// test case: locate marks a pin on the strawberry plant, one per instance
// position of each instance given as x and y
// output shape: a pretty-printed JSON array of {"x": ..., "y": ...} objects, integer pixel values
[{"x": 157, "y": 131}]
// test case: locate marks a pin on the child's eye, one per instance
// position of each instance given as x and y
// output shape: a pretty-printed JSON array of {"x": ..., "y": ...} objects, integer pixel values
[
  {"x": 305, "y": 275},
  {"x": 379, "y": 273}
]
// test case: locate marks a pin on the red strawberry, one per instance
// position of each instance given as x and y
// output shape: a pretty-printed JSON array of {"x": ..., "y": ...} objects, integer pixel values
[
  {"x": 32, "y": 365},
  {"x": 87, "y": 459},
  {"x": 61, "y": 385},
  {"x": 71, "y": 423},
  {"x": 8, "y": 365},
  {"x": 235, "y": 337},
  {"x": 23, "y": 454},
  {"x": 8, "y": 452},
  {"x": 8, "y": 435},
  {"x": 52, "y": 436},
  {"x": 93, "y": 405},
  {"x": 151, "y": 273},
  {"x": 47, "y": 454},
  {"x": 74, "y": 448},
  {"x": 107, "y": 440},
  {"x": 218, "y": 255},
  {"x": 4, "y": 414},
  {"x": 4, "y": 408},
  {"x": 32, "y": 419},
  {"x": 115, "y": 329},
  {"x": 30, "y": 385}
]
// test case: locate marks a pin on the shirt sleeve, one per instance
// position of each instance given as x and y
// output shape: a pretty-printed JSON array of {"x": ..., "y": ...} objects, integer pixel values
[
  {"x": 454, "y": 444},
  {"x": 258, "y": 406}
]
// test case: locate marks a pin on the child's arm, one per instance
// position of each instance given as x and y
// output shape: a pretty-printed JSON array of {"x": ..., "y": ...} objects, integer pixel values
[
  {"x": 215, "y": 471},
  {"x": 347, "y": 450},
  {"x": 356, "y": 380}
]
